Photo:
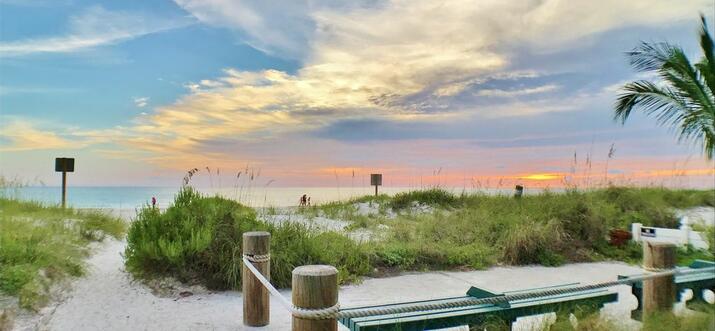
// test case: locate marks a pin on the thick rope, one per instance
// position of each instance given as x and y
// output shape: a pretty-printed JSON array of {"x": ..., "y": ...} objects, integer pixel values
[
  {"x": 468, "y": 301},
  {"x": 258, "y": 258},
  {"x": 305, "y": 313},
  {"x": 334, "y": 311}
]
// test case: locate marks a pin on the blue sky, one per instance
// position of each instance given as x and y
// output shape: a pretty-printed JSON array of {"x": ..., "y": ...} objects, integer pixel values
[{"x": 140, "y": 91}]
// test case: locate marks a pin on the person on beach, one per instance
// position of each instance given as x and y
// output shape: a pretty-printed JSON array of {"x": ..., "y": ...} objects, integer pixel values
[
  {"x": 153, "y": 202},
  {"x": 308, "y": 201},
  {"x": 304, "y": 200}
]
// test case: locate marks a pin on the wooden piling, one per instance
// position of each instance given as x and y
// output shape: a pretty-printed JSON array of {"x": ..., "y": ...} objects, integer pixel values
[
  {"x": 659, "y": 293},
  {"x": 315, "y": 287},
  {"x": 256, "y": 304}
]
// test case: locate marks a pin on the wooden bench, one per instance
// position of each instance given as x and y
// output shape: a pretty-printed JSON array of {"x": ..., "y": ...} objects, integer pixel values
[{"x": 591, "y": 300}]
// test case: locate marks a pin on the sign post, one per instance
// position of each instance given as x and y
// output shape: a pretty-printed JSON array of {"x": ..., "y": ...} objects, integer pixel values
[
  {"x": 64, "y": 165},
  {"x": 376, "y": 180}
]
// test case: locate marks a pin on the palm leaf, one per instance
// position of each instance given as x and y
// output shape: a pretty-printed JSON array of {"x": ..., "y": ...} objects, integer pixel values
[
  {"x": 683, "y": 98},
  {"x": 707, "y": 65}
]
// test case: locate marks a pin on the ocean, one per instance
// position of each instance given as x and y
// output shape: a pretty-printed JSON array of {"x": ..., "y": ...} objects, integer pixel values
[{"x": 135, "y": 197}]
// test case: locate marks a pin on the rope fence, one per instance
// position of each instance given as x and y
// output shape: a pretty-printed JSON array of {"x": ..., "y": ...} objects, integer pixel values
[{"x": 335, "y": 312}]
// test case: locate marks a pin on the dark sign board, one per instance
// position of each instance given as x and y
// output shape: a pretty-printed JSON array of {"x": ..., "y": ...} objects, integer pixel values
[
  {"x": 64, "y": 164},
  {"x": 375, "y": 179}
]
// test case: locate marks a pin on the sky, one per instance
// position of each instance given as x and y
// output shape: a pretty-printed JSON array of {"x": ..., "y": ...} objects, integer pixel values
[{"x": 479, "y": 93}]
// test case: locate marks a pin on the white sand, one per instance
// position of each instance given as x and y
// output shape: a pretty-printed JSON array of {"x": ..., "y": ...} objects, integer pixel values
[
  {"x": 701, "y": 216},
  {"x": 107, "y": 299}
]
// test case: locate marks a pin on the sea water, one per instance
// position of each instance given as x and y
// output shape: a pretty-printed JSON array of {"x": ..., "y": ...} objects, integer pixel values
[{"x": 135, "y": 197}]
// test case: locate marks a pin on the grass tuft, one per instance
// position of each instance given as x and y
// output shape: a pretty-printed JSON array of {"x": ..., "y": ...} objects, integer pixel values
[{"x": 42, "y": 244}]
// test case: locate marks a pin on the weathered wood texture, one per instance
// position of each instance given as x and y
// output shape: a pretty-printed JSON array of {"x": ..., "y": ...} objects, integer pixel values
[
  {"x": 315, "y": 287},
  {"x": 256, "y": 304},
  {"x": 658, "y": 294}
]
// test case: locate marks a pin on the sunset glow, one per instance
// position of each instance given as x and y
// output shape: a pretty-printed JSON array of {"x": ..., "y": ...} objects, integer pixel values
[
  {"x": 542, "y": 177},
  {"x": 331, "y": 92}
]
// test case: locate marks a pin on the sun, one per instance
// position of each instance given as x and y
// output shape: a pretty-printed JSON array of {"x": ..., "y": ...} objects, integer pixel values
[{"x": 544, "y": 176}]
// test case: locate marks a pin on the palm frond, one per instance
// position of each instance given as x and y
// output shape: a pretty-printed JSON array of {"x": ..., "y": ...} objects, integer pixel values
[
  {"x": 683, "y": 98},
  {"x": 681, "y": 75},
  {"x": 662, "y": 102},
  {"x": 650, "y": 56},
  {"x": 706, "y": 66}
]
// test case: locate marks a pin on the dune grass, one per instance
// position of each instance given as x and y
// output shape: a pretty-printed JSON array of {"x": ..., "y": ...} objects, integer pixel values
[
  {"x": 198, "y": 240},
  {"x": 479, "y": 230},
  {"x": 42, "y": 244}
]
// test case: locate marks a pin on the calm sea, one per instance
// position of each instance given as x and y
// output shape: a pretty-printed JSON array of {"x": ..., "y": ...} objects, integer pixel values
[{"x": 134, "y": 197}]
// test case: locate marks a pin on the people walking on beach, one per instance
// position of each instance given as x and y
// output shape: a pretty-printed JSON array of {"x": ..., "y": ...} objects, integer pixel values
[
  {"x": 304, "y": 200},
  {"x": 153, "y": 202},
  {"x": 308, "y": 201}
]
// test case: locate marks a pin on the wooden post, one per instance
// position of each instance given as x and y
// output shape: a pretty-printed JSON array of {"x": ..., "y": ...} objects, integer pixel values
[
  {"x": 315, "y": 287},
  {"x": 376, "y": 180},
  {"x": 64, "y": 165},
  {"x": 659, "y": 293},
  {"x": 256, "y": 304},
  {"x": 64, "y": 189}
]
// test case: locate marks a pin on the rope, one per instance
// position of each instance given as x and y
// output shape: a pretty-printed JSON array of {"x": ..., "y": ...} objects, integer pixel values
[
  {"x": 305, "y": 313},
  {"x": 654, "y": 269},
  {"x": 335, "y": 312},
  {"x": 258, "y": 258},
  {"x": 469, "y": 301}
]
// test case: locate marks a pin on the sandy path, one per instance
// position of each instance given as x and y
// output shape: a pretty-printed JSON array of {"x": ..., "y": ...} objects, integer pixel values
[{"x": 107, "y": 299}]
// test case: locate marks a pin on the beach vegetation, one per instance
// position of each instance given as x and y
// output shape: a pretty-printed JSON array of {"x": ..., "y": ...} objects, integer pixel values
[
  {"x": 198, "y": 240},
  {"x": 480, "y": 230},
  {"x": 41, "y": 245},
  {"x": 702, "y": 318}
]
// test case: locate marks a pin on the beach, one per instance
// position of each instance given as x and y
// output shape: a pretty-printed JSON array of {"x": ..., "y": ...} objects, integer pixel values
[{"x": 108, "y": 298}]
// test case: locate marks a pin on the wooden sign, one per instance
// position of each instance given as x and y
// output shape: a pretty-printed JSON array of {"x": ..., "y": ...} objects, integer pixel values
[
  {"x": 64, "y": 164},
  {"x": 375, "y": 179}
]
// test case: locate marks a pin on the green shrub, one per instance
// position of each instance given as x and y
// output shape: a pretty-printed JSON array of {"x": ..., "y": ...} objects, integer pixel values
[
  {"x": 534, "y": 243},
  {"x": 198, "y": 239},
  {"x": 432, "y": 197}
]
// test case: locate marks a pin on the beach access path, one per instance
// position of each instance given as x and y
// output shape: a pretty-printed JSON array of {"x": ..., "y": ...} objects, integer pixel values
[{"x": 108, "y": 299}]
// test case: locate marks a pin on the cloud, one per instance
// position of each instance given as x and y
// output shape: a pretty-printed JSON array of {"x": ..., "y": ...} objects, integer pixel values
[
  {"x": 282, "y": 28},
  {"x": 393, "y": 61},
  {"x": 94, "y": 27},
  {"x": 13, "y": 90},
  {"x": 513, "y": 93},
  {"x": 24, "y": 136},
  {"x": 141, "y": 102},
  {"x": 406, "y": 67},
  {"x": 290, "y": 28}
]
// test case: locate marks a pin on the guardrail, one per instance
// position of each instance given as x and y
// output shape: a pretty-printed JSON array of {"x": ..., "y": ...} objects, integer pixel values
[{"x": 315, "y": 305}]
